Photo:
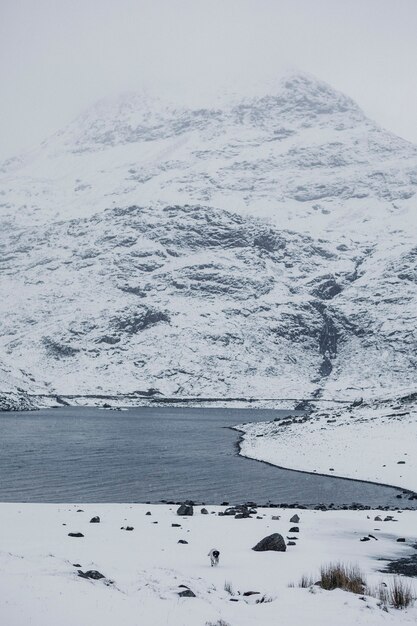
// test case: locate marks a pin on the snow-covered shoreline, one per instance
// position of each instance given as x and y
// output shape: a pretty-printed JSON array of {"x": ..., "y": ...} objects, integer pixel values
[
  {"x": 374, "y": 442},
  {"x": 147, "y": 566}
]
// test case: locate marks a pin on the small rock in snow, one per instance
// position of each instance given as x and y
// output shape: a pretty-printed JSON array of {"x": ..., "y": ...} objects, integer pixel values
[{"x": 273, "y": 542}]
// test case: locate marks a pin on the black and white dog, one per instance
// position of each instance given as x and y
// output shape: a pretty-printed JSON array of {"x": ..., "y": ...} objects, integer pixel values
[{"x": 214, "y": 557}]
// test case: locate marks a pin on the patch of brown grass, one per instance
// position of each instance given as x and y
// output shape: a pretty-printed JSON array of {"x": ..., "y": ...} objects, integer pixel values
[{"x": 342, "y": 576}]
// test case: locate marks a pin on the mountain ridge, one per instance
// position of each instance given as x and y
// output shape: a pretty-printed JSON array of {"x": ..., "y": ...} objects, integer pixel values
[{"x": 213, "y": 251}]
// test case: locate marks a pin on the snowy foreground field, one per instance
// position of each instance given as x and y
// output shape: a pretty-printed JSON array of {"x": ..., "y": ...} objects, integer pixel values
[{"x": 39, "y": 562}]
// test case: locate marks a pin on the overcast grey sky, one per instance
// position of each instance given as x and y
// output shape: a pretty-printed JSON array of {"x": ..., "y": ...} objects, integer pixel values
[{"x": 59, "y": 56}]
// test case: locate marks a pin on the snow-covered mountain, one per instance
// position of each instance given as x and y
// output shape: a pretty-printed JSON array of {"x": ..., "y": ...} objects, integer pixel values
[{"x": 266, "y": 247}]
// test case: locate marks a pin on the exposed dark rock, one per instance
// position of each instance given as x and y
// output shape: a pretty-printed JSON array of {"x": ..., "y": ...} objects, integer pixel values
[
  {"x": 182, "y": 541},
  {"x": 401, "y": 540},
  {"x": 75, "y": 535},
  {"x": 185, "y": 509},
  {"x": 91, "y": 573},
  {"x": 133, "y": 321},
  {"x": 204, "y": 511},
  {"x": 295, "y": 519},
  {"x": 58, "y": 350},
  {"x": 305, "y": 406},
  {"x": 126, "y": 528},
  {"x": 269, "y": 240},
  {"x": 327, "y": 289},
  {"x": 95, "y": 520},
  {"x": 251, "y": 593},
  {"x": 240, "y": 511},
  {"x": 273, "y": 542},
  {"x": 186, "y": 593},
  {"x": 294, "y": 529}
]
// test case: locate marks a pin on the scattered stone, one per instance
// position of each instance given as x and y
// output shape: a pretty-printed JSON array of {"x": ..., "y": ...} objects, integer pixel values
[
  {"x": 80, "y": 511},
  {"x": 292, "y": 538},
  {"x": 251, "y": 593},
  {"x": 176, "y": 525},
  {"x": 95, "y": 520},
  {"x": 241, "y": 511},
  {"x": 204, "y": 512},
  {"x": 182, "y": 541},
  {"x": 273, "y": 542},
  {"x": 230, "y": 511},
  {"x": 377, "y": 519},
  {"x": 233, "y": 600},
  {"x": 295, "y": 519},
  {"x": 400, "y": 462},
  {"x": 294, "y": 529},
  {"x": 372, "y": 537},
  {"x": 76, "y": 565},
  {"x": 365, "y": 539},
  {"x": 291, "y": 543},
  {"x": 258, "y": 517},
  {"x": 276, "y": 517},
  {"x": 401, "y": 540},
  {"x": 126, "y": 528},
  {"x": 148, "y": 513},
  {"x": 185, "y": 509},
  {"x": 75, "y": 535},
  {"x": 91, "y": 573},
  {"x": 186, "y": 592}
]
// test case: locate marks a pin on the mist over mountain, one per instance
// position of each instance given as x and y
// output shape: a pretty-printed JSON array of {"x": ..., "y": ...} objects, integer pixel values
[{"x": 265, "y": 247}]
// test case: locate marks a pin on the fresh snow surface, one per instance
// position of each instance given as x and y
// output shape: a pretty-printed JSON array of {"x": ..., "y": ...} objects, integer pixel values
[
  {"x": 39, "y": 582},
  {"x": 375, "y": 441}
]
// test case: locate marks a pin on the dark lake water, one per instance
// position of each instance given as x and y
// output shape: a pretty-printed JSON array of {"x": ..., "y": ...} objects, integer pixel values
[{"x": 151, "y": 454}]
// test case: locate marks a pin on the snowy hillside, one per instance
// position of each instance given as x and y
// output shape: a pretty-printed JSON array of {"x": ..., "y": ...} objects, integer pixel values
[{"x": 265, "y": 247}]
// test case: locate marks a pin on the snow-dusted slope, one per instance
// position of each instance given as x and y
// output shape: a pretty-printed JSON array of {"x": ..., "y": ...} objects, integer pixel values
[{"x": 265, "y": 247}]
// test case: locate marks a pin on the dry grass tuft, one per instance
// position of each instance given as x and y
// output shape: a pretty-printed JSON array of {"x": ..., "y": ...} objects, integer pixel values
[
  {"x": 228, "y": 587},
  {"x": 342, "y": 576},
  {"x": 400, "y": 593},
  {"x": 306, "y": 581}
]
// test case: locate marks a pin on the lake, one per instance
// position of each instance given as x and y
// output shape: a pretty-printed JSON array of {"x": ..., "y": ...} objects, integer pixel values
[{"x": 77, "y": 454}]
